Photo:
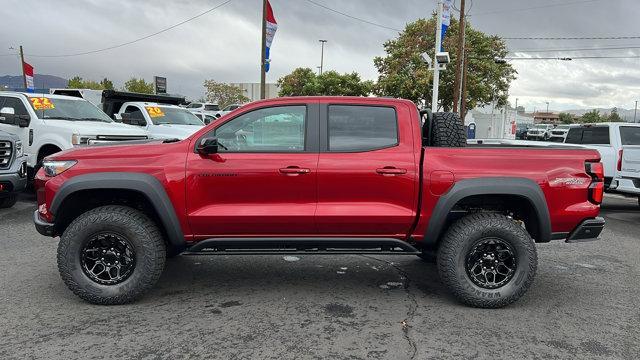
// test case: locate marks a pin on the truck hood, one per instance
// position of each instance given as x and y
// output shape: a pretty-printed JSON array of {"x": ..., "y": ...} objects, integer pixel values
[
  {"x": 93, "y": 128},
  {"x": 124, "y": 149},
  {"x": 171, "y": 131}
]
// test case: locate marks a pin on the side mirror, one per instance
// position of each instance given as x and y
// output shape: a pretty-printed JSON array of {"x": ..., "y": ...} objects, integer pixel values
[
  {"x": 8, "y": 116},
  {"x": 23, "y": 120},
  {"x": 208, "y": 146}
]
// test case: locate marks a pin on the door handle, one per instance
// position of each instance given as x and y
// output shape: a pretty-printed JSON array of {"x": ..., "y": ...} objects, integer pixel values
[
  {"x": 294, "y": 170},
  {"x": 390, "y": 170}
]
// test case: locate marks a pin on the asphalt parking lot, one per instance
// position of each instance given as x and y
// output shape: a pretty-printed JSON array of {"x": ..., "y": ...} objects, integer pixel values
[{"x": 583, "y": 304}]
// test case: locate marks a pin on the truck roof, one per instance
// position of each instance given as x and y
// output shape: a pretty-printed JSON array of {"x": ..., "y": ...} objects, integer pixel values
[{"x": 47, "y": 95}]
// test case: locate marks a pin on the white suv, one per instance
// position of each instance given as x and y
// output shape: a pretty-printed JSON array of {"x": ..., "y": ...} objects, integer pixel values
[
  {"x": 47, "y": 124},
  {"x": 539, "y": 132},
  {"x": 207, "y": 108},
  {"x": 161, "y": 121}
]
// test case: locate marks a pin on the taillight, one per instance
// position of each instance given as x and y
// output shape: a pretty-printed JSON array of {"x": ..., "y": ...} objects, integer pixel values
[
  {"x": 596, "y": 170},
  {"x": 620, "y": 160},
  {"x": 596, "y": 189},
  {"x": 596, "y": 192}
]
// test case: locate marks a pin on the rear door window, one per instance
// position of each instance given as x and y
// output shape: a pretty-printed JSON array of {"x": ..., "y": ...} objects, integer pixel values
[
  {"x": 361, "y": 128},
  {"x": 630, "y": 135},
  {"x": 593, "y": 135}
]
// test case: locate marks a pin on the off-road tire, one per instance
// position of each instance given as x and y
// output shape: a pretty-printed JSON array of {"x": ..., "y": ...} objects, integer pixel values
[
  {"x": 8, "y": 201},
  {"x": 447, "y": 130},
  {"x": 460, "y": 239},
  {"x": 137, "y": 229}
]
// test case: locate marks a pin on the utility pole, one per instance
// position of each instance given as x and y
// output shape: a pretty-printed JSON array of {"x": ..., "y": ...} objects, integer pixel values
[
  {"x": 263, "y": 72},
  {"x": 459, "y": 61},
  {"x": 436, "y": 69},
  {"x": 547, "y": 106},
  {"x": 24, "y": 75},
  {"x": 322, "y": 54},
  {"x": 635, "y": 111},
  {"x": 463, "y": 95}
]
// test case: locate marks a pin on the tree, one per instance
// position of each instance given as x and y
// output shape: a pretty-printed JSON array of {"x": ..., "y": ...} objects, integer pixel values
[
  {"x": 592, "y": 116},
  {"x": 78, "y": 82},
  {"x": 223, "y": 94},
  {"x": 614, "y": 116},
  {"x": 566, "y": 118},
  {"x": 304, "y": 82},
  {"x": 403, "y": 73},
  {"x": 139, "y": 86},
  {"x": 106, "y": 84}
]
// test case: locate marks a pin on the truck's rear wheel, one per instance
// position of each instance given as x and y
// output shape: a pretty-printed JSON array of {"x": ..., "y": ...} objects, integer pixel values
[
  {"x": 487, "y": 260},
  {"x": 447, "y": 130},
  {"x": 111, "y": 255}
]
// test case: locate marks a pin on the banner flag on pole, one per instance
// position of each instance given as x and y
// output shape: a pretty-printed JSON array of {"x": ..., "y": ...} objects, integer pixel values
[
  {"x": 446, "y": 19},
  {"x": 272, "y": 26},
  {"x": 28, "y": 74}
]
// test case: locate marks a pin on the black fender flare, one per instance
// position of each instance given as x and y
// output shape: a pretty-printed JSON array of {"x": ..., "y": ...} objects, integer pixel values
[
  {"x": 522, "y": 187},
  {"x": 145, "y": 184}
]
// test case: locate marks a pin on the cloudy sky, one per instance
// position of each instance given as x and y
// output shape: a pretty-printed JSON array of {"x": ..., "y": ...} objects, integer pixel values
[{"x": 224, "y": 44}]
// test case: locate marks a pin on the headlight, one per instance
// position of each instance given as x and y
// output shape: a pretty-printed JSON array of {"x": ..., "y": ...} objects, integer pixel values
[
  {"x": 77, "y": 139},
  {"x": 19, "y": 149},
  {"x": 55, "y": 168}
]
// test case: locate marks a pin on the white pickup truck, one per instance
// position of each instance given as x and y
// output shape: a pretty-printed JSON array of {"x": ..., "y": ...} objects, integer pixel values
[
  {"x": 161, "y": 121},
  {"x": 47, "y": 124},
  {"x": 619, "y": 147}
]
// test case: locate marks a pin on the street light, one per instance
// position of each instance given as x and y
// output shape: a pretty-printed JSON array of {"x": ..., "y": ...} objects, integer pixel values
[
  {"x": 547, "y": 106},
  {"x": 322, "y": 54}
]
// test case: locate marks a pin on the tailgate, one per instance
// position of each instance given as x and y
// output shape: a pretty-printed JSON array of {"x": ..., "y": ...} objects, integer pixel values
[{"x": 630, "y": 161}]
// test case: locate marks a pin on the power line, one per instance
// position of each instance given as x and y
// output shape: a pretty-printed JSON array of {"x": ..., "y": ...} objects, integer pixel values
[
  {"x": 136, "y": 40},
  {"x": 352, "y": 17},
  {"x": 629, "y": 47},
  {"x": 573, "y": 38},
  {"x": 533, "y": 7},
  {"x": 576, "y": 57}
]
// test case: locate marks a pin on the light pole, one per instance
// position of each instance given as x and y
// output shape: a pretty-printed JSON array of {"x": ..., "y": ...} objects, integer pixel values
[
  {"x": 436, "y": 66},
  {"x": 547, "y": 106},
  {"x": 635, "y": 110},
  {"x": 322, "y": 54}
]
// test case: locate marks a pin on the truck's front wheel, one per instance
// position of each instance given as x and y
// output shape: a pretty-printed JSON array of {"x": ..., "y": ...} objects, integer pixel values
[
  {"x": 111, "y": 255},
  {"x": 487, "y": 260}
]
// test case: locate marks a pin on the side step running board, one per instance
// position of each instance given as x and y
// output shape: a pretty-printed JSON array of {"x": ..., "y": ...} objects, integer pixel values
[{"x": 308, "y": 246}]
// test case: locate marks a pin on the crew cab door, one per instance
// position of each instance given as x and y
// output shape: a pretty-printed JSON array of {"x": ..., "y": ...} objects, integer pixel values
[
  {"x": 263, "y": 181},
  {"x": 367, "y": 171}
]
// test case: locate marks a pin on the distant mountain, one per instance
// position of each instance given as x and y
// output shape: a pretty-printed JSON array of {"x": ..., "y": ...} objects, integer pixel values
[{"x": 41, "y": 81}]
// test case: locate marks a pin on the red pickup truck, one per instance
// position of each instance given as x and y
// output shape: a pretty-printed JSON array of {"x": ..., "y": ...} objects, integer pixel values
[{"x": 317, "y": 175}]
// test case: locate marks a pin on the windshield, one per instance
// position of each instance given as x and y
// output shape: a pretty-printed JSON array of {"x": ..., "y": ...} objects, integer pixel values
[
  {"x": 169, "y": 115},
  {"x": 563, "y": 127},
  {"x": 630, "y": 135},
  {"x": 65, "y": 109},
  {"x": 211, "y": 107},
  {"x": 540, "y": 126}
]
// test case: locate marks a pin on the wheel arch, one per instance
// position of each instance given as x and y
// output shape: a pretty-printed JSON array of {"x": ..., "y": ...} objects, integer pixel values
[
  {"x": 116, "y": 186},
  {"x": 521, "y": 193}
]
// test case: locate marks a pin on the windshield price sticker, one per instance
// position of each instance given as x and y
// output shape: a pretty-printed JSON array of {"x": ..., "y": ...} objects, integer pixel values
[
  {"x": 41, "y": 103},
  {"x": 154, "y": 111}
]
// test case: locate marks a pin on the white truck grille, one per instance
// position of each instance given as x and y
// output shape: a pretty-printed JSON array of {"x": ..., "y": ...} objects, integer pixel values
[{"x": 6, "y": 150}]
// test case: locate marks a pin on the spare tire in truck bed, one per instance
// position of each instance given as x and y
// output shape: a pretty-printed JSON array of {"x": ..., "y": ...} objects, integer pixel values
[{"x": 447, "y": 130}]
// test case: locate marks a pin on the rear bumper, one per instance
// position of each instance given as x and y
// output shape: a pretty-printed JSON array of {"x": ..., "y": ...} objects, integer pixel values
[
  {"x": 588, "y": 230},
  {"x": 43, "y": 227},
  {"x": 625, "y": 186}
]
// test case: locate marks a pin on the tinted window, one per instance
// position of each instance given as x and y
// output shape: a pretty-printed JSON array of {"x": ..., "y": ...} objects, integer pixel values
[
  {"x": 194, "y": 106},
  {"x": 630, "y": 135},
  {"x": 211, "y": 107},
  {"x": 277, "y": 129},
  {"x": 595, "y": 135},
  {"x": 16, "y": 104},
  {"x": 361, "y": 128}
]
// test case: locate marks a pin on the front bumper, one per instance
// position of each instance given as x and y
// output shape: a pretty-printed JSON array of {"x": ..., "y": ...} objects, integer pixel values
[
  {"x": 43, "y": 227},
  {"x": 14, "y": 179},
  {"x": 588, "y": 230}
]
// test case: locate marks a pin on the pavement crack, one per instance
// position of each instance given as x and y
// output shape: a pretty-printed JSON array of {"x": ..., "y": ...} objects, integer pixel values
[{"x": 413, "y": 305}]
